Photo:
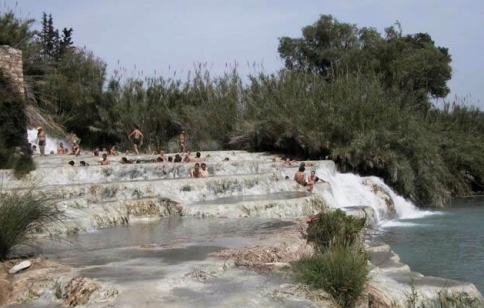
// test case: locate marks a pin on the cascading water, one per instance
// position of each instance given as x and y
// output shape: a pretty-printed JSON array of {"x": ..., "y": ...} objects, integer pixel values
[
  {"x": 50, "y": 145},
  {"x": 352, "y": 190}
]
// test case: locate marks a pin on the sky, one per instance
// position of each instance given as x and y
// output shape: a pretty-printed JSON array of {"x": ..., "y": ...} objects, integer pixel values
[{"x": 162, "y": 37}]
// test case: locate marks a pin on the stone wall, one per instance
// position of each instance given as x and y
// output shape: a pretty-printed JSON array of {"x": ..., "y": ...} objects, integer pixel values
[{"x": 11, "y": 62}]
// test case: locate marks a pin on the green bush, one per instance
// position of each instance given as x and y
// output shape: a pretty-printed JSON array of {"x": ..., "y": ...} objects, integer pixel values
[
  {"x": 342, "y": 271},
  {"x": 23, "y": 165},
  {"x": 22, "y": 214},
  {"x": 334, "y": 227}
]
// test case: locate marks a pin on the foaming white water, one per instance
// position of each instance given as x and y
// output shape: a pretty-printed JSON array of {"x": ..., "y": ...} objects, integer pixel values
[
  {"x": 50, "y": 145},
  {"x": 348, "y": 189},
  {"x": 396, "y": 223}
]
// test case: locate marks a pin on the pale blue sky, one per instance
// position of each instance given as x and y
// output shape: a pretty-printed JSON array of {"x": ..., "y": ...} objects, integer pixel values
[{"x": 149, "y": 35}]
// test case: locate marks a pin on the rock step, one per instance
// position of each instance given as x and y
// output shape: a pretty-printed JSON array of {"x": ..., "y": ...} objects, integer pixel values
[
  {"x": 46, "y": 176},
  {"x": 184, "y": 190}
]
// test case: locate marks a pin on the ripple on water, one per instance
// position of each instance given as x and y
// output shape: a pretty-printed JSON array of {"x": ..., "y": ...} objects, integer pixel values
[{"x": 449, "y": 245}]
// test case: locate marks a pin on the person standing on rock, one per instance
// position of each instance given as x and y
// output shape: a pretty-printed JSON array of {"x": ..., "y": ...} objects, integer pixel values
[
  {"x": 181, "y": 142},
  {"x": 41, "y": 140},
  {"x": 137, "y": 138}
]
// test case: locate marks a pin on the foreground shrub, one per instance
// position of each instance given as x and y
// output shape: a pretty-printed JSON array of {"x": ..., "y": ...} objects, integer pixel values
[
  {"x": 342, "y": 271},
  {"x": 22, "y": 214},
  {"x": 334, "y": 227},
  {"x": 23, "y": 165}
]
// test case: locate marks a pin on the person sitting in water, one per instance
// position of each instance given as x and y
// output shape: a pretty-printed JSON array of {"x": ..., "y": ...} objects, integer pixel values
[
  {"x": 178, "y": 158},
  {"x": 187, "y": 158},
  {"x": 170, "y": 159},
  {"x": 61, "y": 149},
  {"x": 34, "y": 149},
  {"x": 198, "y": 158},
  {"x": 159, "y": 159},
  {"x": 312, "y": 179},
  {"x": 71, "y": 163},
  {"x": 300, "y": 176},
  {"x": 83, "y": 163},
  {"x": 105, "y": 160},
  {"x": 124, "y": 160},
  {"x": 113, "y": 151},
  {"x": 195, "y": 172},
  {"x": 95, "y": 152},
  {"x": 76, "y": 148},
  {"x": 204, "y": 170},
  {"x": 162, "y": 155}
]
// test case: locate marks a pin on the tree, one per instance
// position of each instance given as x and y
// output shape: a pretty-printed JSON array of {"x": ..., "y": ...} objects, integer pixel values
[{"x": 410, "y": 62}]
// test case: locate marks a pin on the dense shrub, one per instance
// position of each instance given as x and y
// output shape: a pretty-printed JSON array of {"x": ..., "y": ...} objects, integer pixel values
[
  {"x": 334, "y": 227},
  {"x": 21, "y": 214},
  {"x": 342, "y": 271}
]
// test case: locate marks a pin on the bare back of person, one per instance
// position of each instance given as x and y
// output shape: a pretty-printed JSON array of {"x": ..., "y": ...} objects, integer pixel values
[
  {"x": 137, "y": 136},
  {"x": 300, "y": 178}
]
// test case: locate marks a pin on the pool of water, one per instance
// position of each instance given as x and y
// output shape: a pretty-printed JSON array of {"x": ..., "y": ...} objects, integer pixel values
[
  {"x": 283, "y": 195},
  {"x": 448, "y": 244},
  {"x": 172, "y": 240}
]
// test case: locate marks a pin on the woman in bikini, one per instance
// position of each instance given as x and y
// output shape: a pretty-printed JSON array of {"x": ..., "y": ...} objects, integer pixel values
[{"x": 41, "y": 140}]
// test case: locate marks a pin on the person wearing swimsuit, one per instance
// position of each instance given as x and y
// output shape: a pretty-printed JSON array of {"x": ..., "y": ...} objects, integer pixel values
[
  {"x": 137, "y": 138},
  {"x": 195, "y": 172},
  {"x": 41, "y": 140}
]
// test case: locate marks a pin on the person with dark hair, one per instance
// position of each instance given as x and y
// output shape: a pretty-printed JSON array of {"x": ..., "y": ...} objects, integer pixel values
[
  {"x": 83, "y": 163},
  {"x": 114, "y": 151},
  {"x": 300, "y": 176},
  {"x": 95, "y": 152},
  {"x": 178, "y": 158},
  {"x": 170, "y": 159},
  {"x": 105, "y": 160},
  {"x": 195, "y": 172},
  {"x": 204, "y": 170},
  {"x": 124, "y": 160},
  {"x": 41, "y": 140},
  {"x": 71, "y": 163},
  {"x": 137, "y": 138},
  {"x": 198, "y": 158}
]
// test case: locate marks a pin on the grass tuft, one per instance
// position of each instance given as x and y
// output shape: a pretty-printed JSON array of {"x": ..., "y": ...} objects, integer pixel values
[
  {"x": 334, "y": 226},
  {"x": 342, "y": 271},
  {"x": 21, "y": 215}
]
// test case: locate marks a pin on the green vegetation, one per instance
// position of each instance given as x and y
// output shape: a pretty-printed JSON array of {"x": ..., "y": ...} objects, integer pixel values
[
  {"x": 339, "y": 265},
  {"x": 342, "y": 272},
  {"x": 21, "y": 215},
  {"x": 354, "y": 95},
  {"x": 334, "y": 227},
  {"x": 13, "y": 130}
]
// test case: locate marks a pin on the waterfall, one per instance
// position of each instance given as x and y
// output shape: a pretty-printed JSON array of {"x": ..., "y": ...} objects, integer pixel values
[
  {"x": 349, "y": 190},
  {"x": 50, "y": 145}
]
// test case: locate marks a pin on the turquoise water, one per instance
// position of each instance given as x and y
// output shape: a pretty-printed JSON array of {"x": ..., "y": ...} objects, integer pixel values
[{"x": 449, "y": 244}]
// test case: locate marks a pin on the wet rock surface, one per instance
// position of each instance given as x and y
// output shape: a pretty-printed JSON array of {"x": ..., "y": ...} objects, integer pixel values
[{"x": 203, "y": 263}]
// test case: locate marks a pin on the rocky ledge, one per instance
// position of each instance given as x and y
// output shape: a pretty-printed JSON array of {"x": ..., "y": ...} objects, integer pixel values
[{"x": 237, "y": 277}]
